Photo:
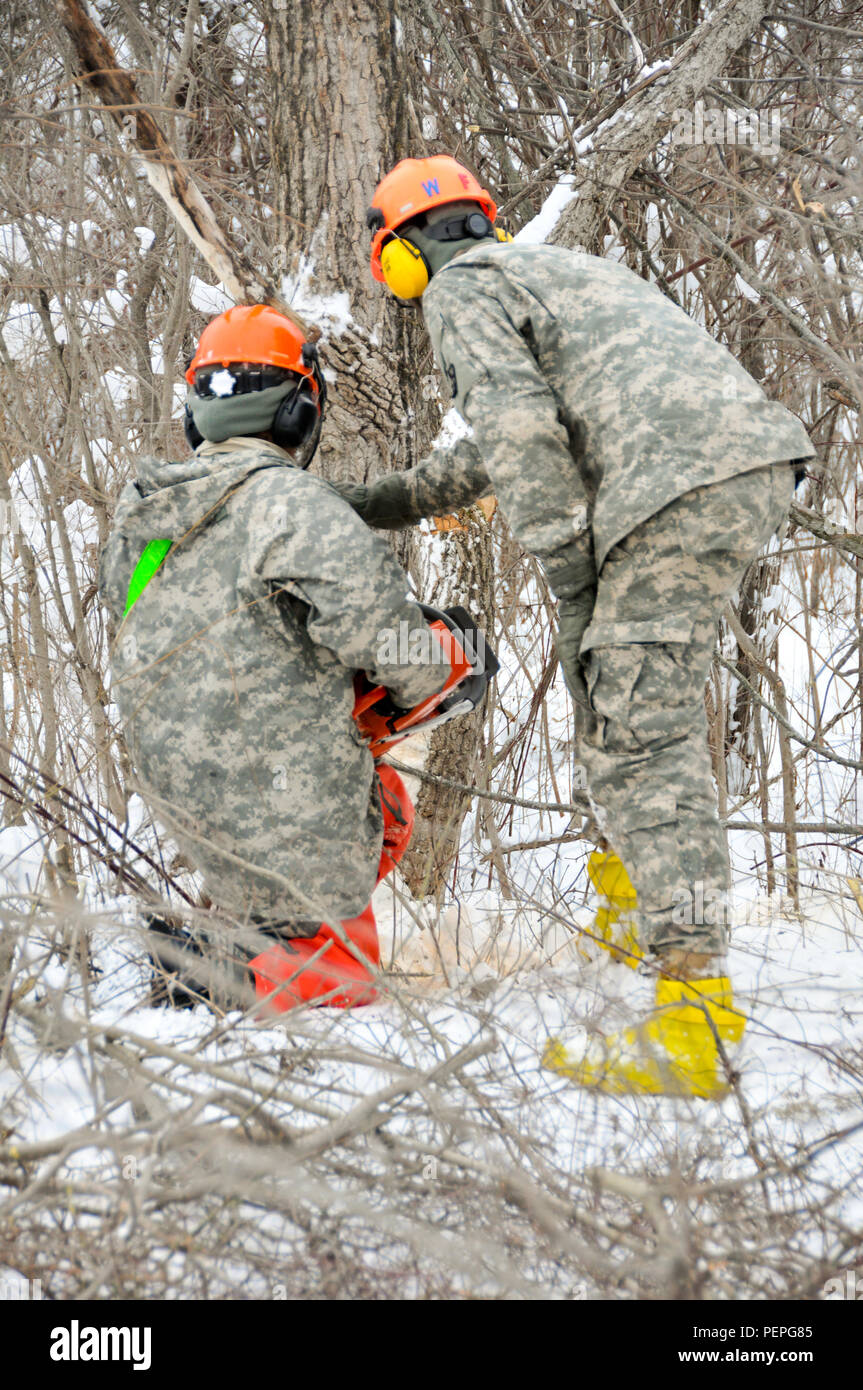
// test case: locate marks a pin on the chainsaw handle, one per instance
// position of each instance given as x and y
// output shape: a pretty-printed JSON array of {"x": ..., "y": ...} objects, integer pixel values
[
  {"x": 470, "y": 635},
  {"x": 379, "y": 694},
  {"x": 382, "y": 721},
  {"x": 472, "y": 665},
  {"x": 365, "y": 699}
]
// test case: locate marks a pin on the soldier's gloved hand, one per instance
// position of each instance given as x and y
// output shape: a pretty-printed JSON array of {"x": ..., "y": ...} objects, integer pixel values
[
  {"x": 383, "y": 503},
  {"x": 572, "y": 576},
  {"x": 355, "y": 494},
  {"x": 572, "y": 571}
]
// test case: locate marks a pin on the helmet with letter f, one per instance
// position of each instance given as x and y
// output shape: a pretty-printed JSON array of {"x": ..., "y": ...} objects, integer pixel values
[{"x": 424, "y": 212}]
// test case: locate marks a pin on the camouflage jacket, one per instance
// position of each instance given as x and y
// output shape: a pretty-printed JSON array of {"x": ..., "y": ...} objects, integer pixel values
[
  {"x": 233, "y": 674},
  {"x": 594, "y": 401}
]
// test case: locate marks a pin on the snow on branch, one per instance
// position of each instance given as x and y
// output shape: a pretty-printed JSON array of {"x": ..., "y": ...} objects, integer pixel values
[{"x": 647, "y": 113}]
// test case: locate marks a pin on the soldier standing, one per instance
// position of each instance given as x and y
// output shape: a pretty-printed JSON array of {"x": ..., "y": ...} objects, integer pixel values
[{"x": 639, "y": 461}]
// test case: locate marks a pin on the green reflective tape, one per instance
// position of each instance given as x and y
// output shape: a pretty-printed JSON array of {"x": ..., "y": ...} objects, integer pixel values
[{"x": 151, "y": 559}]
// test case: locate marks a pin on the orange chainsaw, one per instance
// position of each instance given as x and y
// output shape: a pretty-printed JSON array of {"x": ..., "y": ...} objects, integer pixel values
[{"x": 472, "y": 665}]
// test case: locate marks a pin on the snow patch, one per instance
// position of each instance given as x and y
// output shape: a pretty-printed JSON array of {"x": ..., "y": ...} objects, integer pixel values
[
  {"x": 209, "y": 298},
  {"x": 452, "y": 429},
  {"x": 540, "y": 228},
  {"x": 329, "y": 312},
  {"x": 146, "y": 236}
]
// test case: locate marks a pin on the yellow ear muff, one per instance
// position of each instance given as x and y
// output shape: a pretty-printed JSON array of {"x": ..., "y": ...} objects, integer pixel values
[
  {"x": 501, "y": 234},
  {"x": 404, "y": 269}
]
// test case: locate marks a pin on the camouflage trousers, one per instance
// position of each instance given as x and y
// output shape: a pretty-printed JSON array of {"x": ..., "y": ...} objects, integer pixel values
[{"x": 636, "y": 653}]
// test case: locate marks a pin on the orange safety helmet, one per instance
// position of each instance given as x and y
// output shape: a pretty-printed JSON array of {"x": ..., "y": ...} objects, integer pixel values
[
  {"x": 414, "y": 186},
  {"x": 258, "y": 334}
]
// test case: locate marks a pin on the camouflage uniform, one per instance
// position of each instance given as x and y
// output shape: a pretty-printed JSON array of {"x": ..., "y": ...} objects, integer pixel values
[
  {"x": 630, "y": 452},
  {"x": 233, "y": 675}
]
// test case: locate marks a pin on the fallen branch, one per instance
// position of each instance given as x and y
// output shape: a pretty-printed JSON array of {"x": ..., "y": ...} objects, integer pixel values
[{"x": 98, "y": 68}]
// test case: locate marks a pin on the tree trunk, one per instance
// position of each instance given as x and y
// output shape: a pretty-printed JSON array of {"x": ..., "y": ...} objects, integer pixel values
[{"x": 342, "y": 114}]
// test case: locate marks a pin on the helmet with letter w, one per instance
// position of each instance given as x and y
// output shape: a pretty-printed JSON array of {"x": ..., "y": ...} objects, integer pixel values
[{"x": 423, "y": 213}]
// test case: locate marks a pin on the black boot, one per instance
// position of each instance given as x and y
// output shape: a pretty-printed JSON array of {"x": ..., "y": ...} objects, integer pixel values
[
  {"x": 196, "y": 969},
  {"x": 178, "y": 978}
]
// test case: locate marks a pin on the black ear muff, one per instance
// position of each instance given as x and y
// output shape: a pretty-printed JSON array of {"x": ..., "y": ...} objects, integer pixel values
[
  {"x": 476, "y": 224},
  {"x": 190, "y": 430},
  {"x": 298, "y": 422},
  {"x": 296, "y": 419}
]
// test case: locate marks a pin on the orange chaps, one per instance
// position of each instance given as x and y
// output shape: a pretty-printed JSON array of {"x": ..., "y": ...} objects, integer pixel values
[{"x": 321, "y": 968}]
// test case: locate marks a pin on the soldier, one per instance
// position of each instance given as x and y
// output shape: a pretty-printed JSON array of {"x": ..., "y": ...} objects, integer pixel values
[
  {"x": 245, "y": 594},
  {"x": 645, "y": 468}
]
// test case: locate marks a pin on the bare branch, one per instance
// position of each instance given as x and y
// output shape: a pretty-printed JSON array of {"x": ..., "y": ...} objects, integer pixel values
[{"x": 98, "y": 68}]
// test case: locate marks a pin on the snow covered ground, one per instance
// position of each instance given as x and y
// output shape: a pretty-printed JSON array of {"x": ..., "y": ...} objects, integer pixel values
[{"x": 496, "y": 981}]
